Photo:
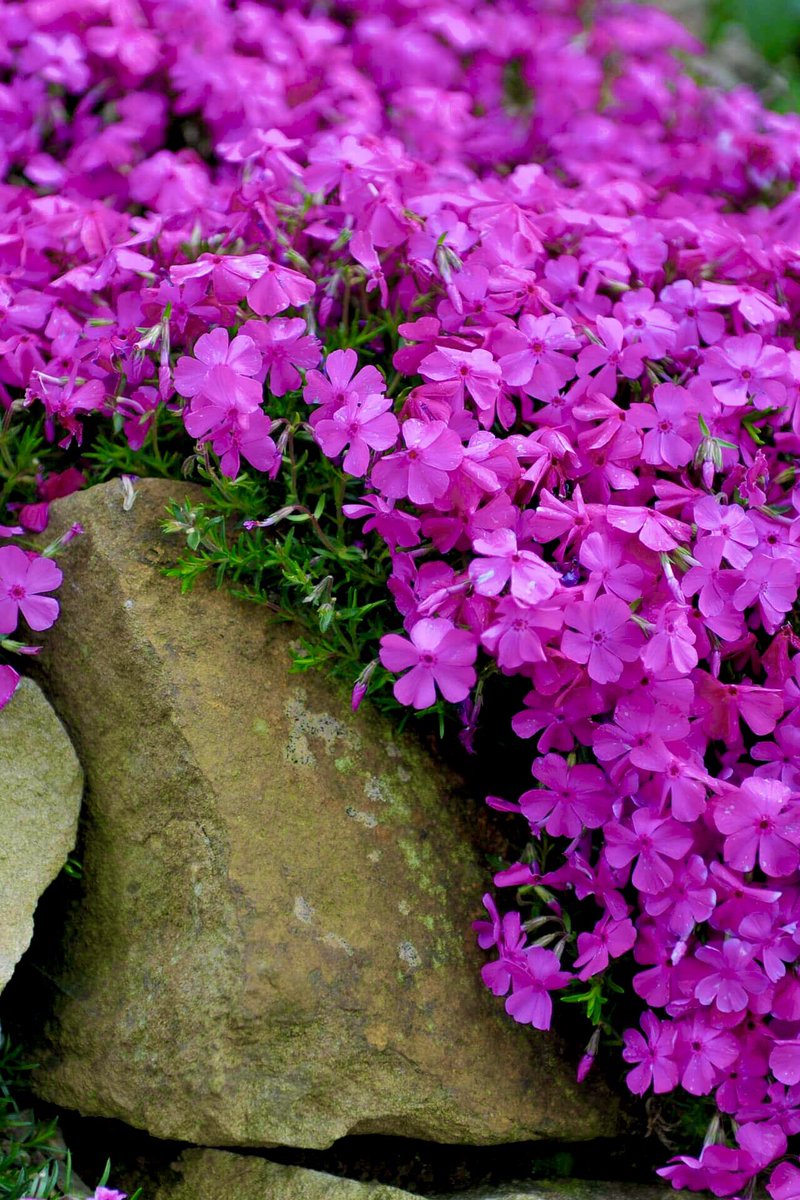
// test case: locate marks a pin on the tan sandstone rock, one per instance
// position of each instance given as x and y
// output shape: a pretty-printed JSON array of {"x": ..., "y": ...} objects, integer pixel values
[
  {"x": 40, "y": 798},
  {"x": 275, "y": 943}
]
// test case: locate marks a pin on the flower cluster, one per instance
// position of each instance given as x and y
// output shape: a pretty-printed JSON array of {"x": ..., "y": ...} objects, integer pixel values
[{"x": 578, "y": 268}]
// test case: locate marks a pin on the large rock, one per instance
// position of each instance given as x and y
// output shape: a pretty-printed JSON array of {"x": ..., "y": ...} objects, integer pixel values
[
  {"x": 218, "y": 1175},
  {"x": 40, "y": 798},
  {"x": 275, "y": 944}
]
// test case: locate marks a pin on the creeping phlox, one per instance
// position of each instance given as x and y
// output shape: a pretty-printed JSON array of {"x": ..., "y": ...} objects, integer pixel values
[{"x": 581, "y": 268}]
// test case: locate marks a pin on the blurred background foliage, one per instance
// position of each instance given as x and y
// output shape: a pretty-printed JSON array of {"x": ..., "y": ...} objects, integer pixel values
[{"x": 742, "y": 32}]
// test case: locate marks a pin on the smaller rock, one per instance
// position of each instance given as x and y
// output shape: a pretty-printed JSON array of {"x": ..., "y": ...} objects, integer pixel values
[
  {"x": 568, "y": 1189},
  {"x": 219, "y": 1175},
  {"x": 40, "y": 797}
]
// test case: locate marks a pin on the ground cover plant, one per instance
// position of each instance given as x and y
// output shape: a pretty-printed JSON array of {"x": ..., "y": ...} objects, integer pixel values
[{"x": 478, "y": 321}]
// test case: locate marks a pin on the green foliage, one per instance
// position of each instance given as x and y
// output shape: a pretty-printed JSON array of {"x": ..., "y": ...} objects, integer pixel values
[
  {"x": 773, "y": 27},
  {"x": 303, "y": 560},
  {"x": 33, "y": 1159}
]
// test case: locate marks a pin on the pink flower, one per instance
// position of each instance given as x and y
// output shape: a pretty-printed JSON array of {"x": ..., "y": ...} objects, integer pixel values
[
  {"x": 218, "y": 368},
  {"x": 531, "y": 579},
  {"x": 9, "y": 682},
  {"x": 666, "y": 420},
  {"x": 608, "y": 940},
  {"x": 715, "y": 584},
  {"x": 650, "y": 840},
  {"x": 784, "y": 1183},
  {"x": 719, "y": 1169},
  {"x": 604, "y": 637},
  {"x": 341, "y": 379},
  {"x": 285, "y": 346},
  {"x": 731, "y": 976},
  {"x": 279, "y": 288},
  {"x": 773, "y": 583},
  {"x": 654, "y": 1055},
  {"x": 606, "y": 353},
  {"x": 569, "y": 798},
  {"x": 604, "y": 559},
  {"x": 23, "y": 579},
  {"x": 515, "y": 635},
  {"x": 742, "y": 368},
  {"x": 672, "y": 644},
  {"x": 704, "y": 1052},
  {"x": 421, "y": 471},
  {"x": 438, "y": 655},
  {"x": 247, "y": 437},
  {"x": 729, "y": 527},
  {"x": 697, "y": 322},
  {"x": 362, "y": 423},
  {"x": 761, "y": 822},
  {"x": 534, "y": 979},
  {"x": 532, "y": 354},
  {"x": 646, "y": 322},
  {"x": 473, "y": 370},
  {"x": 639, "y": 732}
]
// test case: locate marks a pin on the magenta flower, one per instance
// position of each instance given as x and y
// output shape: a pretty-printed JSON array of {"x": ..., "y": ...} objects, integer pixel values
[
  {"x": 729, "y": 528},
  {"x": 421, "y": 471},
  {"x": 731, "y": 977},
  {"x": 438, "y": 655},
  {"x": 608, "y": 940},
  {"x": 601, "y": 635},
  {"x": 24, "y": 577},
  {"x": 246, "y": 437},
  {"x": 489, "y": 932},
  {"x": 604, "y": 559},
  {"x": 719, "y": 1169},
  {"x": 651, "y": 840},
  {"x": 689, "y": 900},
  {"x": 673, "y": 642},
  {"x": 761, "y": 822},
  {"x": 9, "y": 682},
  {"x": 279, "y": 288},
  {"x": 362, "y": 424},
  {"x": 341, "y": 379},
  {"x": 665, "y": 443},
  {"x": 531, "y": 580},
  {"x": 638, "y": 736},
  {"x": 742, "y": 368},
  {"x": 516, "y": 632},
  {"x": 715, "y": 584},
  {"x": 653, "y": 1054},
  {"x": 534, "y": 979},
  {"x": 646, "y": 322},
  {"x": 569, "y": 798},
  {"x": 473, "y": 371},
  {"x": 397, "y": 528},
  {"x": 703, "y": 1053},
  {"x": 533, "y": 355},
  {"x": 773, "y": 583},
  {"x": 221, "y": 369},
  {"x": 784, "y": 1182},
  {"x": 285, "y": 346}
]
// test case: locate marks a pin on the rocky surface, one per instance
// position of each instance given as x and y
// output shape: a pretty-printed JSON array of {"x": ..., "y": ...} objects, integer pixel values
[
  {"x": 217, "y": 1175},
  {"x": 274, "y": 946},
  {"x": 40, "y": 796},
  {"x": 569, "y": 1189}
]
